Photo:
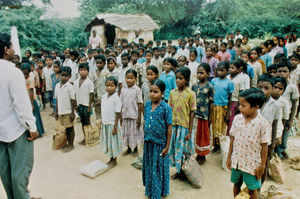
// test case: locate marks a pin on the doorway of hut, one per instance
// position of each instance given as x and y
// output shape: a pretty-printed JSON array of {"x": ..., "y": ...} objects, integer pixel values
[{"x": 110, "y": 33}]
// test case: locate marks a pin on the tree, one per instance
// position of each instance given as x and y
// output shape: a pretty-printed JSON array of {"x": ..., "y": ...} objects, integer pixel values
[{"x": 17, "y": 4}]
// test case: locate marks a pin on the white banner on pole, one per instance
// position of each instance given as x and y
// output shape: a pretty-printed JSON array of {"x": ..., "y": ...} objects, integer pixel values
[{"x": 15, "y": 41}]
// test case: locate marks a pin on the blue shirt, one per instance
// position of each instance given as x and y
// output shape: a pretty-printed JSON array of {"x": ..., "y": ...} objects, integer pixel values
[
  {"x": 141, "y": 60},
  {"x": 54, "y": 82},
  {"x": 156, "y": 122},
  {"x": 169, "y": 81},
  {"x": 267, "y": 59},
  {"x": 250, "y": 71},
  {"x": 232, "y": 54},
  {"x": 223, "y": 87},
  {"x": 200, "y": 53}
]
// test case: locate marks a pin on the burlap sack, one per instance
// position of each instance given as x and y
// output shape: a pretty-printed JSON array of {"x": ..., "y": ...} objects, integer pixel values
[
  {"x": 59, "y": 138},
  {"x": 295, "y": 163},
  {"x": 244, "y": 194},
  {"x": 92, "y": 135},
  {"x": 276, "y": 172}
]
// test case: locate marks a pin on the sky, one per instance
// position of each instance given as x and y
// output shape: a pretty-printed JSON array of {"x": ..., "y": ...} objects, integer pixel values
[{"x": 64, "y": 8}]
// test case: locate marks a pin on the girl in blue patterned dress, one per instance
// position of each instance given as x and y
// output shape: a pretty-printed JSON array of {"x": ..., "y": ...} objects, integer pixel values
[{"x": 158, "y": 130}]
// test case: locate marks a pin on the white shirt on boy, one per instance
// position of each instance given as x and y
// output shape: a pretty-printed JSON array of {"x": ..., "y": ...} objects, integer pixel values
[
  {"x": 82, "y": 93},
  {"x": 109, "y": 107},
  {"x": 48, "y": 81},
  {"x": 64, "y": 94},
  {"x": 284, "y": 113}
]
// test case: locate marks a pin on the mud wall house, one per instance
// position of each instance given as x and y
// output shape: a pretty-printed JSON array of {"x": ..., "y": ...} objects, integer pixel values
[{"x": 111, "y": 26}]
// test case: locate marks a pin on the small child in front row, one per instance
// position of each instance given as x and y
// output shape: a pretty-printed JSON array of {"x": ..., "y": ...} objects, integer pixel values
[
  {"x": 84, "y": 91},
  {"x": 250, "y": 135},
  {"x": 111, "y": 137},
  {"x": 222, "y": 101},
  {"x": 270, "y": 111},
  {"x": 183, "y": 103},
  {"x": 65, "y": 105},
  {"x": 205, "y": 100},
  {"x": 279, "y": 87},
  {"x": 291, "y": 93},
  {"x": 132, "y": 101},
  {"x": 158, "y": 131}
]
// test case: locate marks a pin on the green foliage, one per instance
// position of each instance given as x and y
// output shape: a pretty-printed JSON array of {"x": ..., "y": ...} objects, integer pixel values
[{"x": 35, "y": 33}]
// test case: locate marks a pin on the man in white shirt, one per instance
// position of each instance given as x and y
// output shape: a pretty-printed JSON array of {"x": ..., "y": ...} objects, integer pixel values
[
  {"x": 17, "y": 125},
  {"x": 94, "y": 40}
]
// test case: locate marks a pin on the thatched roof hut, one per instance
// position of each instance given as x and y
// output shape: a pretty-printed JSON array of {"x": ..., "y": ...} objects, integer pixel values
[{"x": 111, "y": 26}]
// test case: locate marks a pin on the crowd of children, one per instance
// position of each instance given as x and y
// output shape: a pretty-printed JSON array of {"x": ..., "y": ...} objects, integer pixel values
[{"x": 155, "y": 96}]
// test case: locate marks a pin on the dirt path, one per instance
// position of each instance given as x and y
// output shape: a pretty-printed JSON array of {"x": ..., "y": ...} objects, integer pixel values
[{"x": 56, "y": 175}]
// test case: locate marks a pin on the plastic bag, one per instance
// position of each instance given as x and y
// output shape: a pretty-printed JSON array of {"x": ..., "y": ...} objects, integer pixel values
[
  {"x": 94, "y": 169},
  {"x": 92, "y": 135},
  {"x": 276, "y": 172},
  {"x": 192, "y": 171},
  {"x": 224, "y": 144}
]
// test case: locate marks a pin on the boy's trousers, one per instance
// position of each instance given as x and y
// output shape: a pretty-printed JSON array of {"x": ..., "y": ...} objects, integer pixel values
[{"x": 16, "y": 162}]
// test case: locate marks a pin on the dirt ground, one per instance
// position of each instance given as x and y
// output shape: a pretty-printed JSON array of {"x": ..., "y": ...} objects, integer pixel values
[{"x": 56, "y": 175}]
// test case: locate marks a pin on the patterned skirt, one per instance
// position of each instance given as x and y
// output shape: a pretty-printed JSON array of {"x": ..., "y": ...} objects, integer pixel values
[
  {"x": 156, "y": 174},
  {"x": 111, "y": 144},
  {"x": 132, "y": 136},
  {"x": 202, "y": 138},
  {"x": 178, "y": 145},
  {"x": 218, "y": 120}
]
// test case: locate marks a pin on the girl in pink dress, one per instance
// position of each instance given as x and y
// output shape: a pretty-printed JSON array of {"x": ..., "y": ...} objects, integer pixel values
[{"x": 132, "y": 101}]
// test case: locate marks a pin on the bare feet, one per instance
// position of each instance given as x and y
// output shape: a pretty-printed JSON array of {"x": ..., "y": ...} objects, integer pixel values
[
  {"x": 113, "y": 163},
  {"x": 68, "y": 149},
  {"x": 175, "y": 176},
  {"x": 128, "y": 151},
  {"x": 201, "y": 159},
  {"x": 82, "y": 142}
]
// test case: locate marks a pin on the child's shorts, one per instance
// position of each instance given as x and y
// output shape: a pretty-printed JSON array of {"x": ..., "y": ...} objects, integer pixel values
[
  {"x": 65, "y": 120},
  {"x": 83, "y": 114},
  {"x": 238, "y": 176}
]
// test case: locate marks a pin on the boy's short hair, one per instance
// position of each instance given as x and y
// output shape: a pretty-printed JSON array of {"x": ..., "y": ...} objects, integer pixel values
[
  {"x": 223, "y": 44},
  {"x": 280, "y": 57},
  {"x": 90, "y": 51},
  {"x": 84, "y": 65},
  {"x": 125, "y": 55},
  {"x": 266, "y": 78},
  {"x": 102, "y": 57},
  {"x": 272, "y": 67},
  {"x": 281, "y": 80},
  {"x": 48, "y": 57},
  {"x": 284, "y": 63},
  {"x": 294, "y": 55},
  {"x": 66, "y": 69},
  {"x": 113, "y": 79},
  {"x": 134, "y": 52},
  {"x": 156, "y": 48},
  {"x": 74, "y": 53},
  {"x": 141, "y": 39},
  {"x": 254, "y": 96},
  {"x": 26, "y": 66}
]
